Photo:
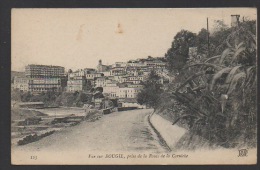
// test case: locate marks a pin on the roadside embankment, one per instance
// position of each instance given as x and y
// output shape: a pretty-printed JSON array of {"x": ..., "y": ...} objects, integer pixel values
[{"x": 176, "y": 137}]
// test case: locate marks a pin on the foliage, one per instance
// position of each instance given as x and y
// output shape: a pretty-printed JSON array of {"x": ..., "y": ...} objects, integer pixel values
[
  {"x": 202, "y": 39},
  {"x": 50, "y": 98},
  {"x": 149, "y": 95},
  {"x": 16, "y": 95},
  {"x": 219, "y": 26},
  {"x": 178, "y": 54},
  {"x": 88, "y": 86},
  {"x": 219, "y": 94}
]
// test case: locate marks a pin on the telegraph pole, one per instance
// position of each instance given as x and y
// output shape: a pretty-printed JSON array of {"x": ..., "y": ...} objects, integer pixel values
[{"x": 208, "y": 35}]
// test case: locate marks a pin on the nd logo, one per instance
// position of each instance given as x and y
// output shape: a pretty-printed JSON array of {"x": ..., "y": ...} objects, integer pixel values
[{"x": 242, "y": 152}]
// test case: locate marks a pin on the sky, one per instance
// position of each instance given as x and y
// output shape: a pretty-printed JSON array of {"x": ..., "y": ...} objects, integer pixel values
[{"x": 78, "y": 38}]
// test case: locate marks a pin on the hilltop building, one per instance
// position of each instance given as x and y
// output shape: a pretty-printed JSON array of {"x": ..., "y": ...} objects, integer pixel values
[
  {"x": 44, "y": 78},
  {"x": 101, "y": 67}
]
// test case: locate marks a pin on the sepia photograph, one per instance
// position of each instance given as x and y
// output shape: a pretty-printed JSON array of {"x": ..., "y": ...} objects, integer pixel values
[{"x": 133, "y": 86}]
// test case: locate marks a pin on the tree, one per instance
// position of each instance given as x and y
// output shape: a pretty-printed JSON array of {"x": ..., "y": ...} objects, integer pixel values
[
  {"x": 150, "y": 94},
  {"x": 178, "y": 54},
  {"x": 70, "y": 71},
  {"x": 99, "y": 89},
  {"x": 219, "y": 26},
  {"x": 221, "y": 104},
  {"x": 202, "y": 41},
  {"x": 87, "y": 86},
  {"x": 16, "y": 95}
]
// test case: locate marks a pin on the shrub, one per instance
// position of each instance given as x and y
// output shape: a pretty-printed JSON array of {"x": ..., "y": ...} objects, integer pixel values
[{"x": 219, "y": 93}]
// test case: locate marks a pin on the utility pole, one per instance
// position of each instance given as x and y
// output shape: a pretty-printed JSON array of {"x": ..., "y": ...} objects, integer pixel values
[{"x": 208, "y": 36}]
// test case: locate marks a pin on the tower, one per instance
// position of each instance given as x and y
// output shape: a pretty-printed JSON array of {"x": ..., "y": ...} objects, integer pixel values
[{"x": 234, "y": 20}]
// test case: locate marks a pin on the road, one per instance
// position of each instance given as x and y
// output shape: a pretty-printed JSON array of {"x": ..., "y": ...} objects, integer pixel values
[{"x": 126, "y": 131}]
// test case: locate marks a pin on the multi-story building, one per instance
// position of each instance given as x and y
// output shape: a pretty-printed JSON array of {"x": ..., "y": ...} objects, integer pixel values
[
  {"x": 40, "y": 71},
  {"x": 116, "y": 71},
  {"x": 106, "y": 73},
  {"x": 155, "y": 64},
  {"x": 45, "y": 78},
  {"x": 76, "y": 84},
  {"x": 135, "y": 79},
  {"x": 21, "y": 83},
  {"x": 111, "y": 89},
  {"x": 76, "y": 81},
  {"x": 127, "y": 92},
  {"x": 101, "y": 81},
  {"x": 93, "y": 75},
  {"x": 135, "y": 64}
]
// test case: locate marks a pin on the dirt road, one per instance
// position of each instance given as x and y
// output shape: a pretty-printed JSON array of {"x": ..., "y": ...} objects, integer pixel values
[{"x": 126, "y": 131}]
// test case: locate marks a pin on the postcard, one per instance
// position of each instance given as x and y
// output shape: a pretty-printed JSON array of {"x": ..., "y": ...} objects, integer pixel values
[{"x": 133, "y": 86}]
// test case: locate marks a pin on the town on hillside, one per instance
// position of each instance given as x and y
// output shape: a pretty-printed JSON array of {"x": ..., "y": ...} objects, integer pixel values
[{"x": 120, "y": 82}]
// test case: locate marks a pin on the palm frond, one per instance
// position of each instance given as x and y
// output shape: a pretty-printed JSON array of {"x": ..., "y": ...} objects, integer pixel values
[
  {"x": 232, "y": 73},
  {"x": 189, "y": 79},
  {"x": 215, "y": 66},
  {"x": 211, "y": 58},
  {"x": 235, "y": 80},
  {"x": 238, "y": 51},
  {"x": 218, "y": 75},
  {"x": 224, "y": 54},
  {"x": 228, "y": 44},
  {"x": 239, "y": 45},
  {"x": 183, "y": 117}
]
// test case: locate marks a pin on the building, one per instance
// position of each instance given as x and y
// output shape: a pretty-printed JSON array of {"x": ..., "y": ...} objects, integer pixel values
[
  {"x": 76, "y": 81},
  {"x": 111, "y": 89},
  {"x": 117, "y": 71},
  {"x": 40, "y": 71},
  {"x": 119, "y": 64},
  {"x": 128, "y": 92},
  {"x": 155, "y": 64},
  {"x": 21, "y": 83},
  {"x": 135, "y": 79},
  {"x": 106, "y": 73},
  {"x": 130, "y": 103},
  {"x": 100, "y": 81},
  {"x": 101, "y": 67},
  {"x": 93, "y": 75},
  {"x": 45, "y": 78},
  {"x": 234, "y": 20}
]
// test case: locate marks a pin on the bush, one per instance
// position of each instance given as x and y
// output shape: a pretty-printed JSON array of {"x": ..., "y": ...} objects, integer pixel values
[
  {"x": 218, "y": 94},
  {"x": 54, "y": 99}
]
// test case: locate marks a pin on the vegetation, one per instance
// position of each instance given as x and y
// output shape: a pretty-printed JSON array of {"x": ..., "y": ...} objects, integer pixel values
[
  {"x": 150, "y": 94},
  {"x": 217, "y": 94},
  {"x": 178, "y": 54},
  {"x": 54, "y": 99}
]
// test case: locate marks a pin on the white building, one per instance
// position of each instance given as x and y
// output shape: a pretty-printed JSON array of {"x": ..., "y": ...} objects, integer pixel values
[
  {"x": 119, "y": 64},
  {"x": 92, "y": 76},
  {"x": 111, "y": 89},
  {"x": 106, "y": 73},
  {"x": 127, "y": 92},
  {"x": 21, "y": 83},
  {"x": 130, "y": 103},
  {"x": 101, "y": 81}
]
